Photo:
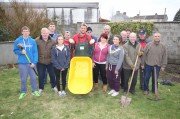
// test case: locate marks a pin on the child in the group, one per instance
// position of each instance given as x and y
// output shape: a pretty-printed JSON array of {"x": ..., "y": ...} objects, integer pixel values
[
  {"x": 113, "y": 65},
  {"x": 99, "y": 61},
  {"x": 61, "y": 59},
  {"x": 28, "y": 48}
]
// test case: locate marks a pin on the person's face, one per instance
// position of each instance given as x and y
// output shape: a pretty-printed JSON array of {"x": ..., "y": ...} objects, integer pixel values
[
  {"x": 60, "y": 40},
  {"x": 107, "y": 30},
  {"x": 67, "y": 35},
  {"x": 132, "y": 38},
  {"x": 103, "y": 39},
  {"x": 25, "y": 33},
  {"x": 83, "y": 29},
  {"x": 157, "y": 37},
  {"x": 116, "y": 41},
  {"x": 128, "y": 33},
  {"x": 142, "y": 36},
  {"x": 89, "y": 32},
  {"x": 52, "y": 28},
  {"x": 45, "y": 34},
  {"x": 124, "y": 36}
]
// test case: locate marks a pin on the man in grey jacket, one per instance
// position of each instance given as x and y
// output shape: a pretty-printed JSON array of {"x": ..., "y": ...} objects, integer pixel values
[{"x": 154, "y": 56}]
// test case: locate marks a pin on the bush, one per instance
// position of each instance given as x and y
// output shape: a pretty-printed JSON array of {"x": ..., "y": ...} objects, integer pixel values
[
  {"x": 117, "y": 27},
  {"x": 20, "y": 14}
]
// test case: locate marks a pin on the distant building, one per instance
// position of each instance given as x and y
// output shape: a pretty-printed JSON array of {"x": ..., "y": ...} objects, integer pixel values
[
  {"x": 151, "y": 18},
  {"x": 68, "y": 13},
  {"x": 120, "y": 17}
]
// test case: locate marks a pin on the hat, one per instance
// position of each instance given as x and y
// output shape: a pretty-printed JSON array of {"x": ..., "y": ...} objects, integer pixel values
[
  {"x": 142, "y": 32},
  {"x": 89, "y": 29}
]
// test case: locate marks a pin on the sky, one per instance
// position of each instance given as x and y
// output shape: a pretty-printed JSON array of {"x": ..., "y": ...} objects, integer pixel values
[{"x": 108, "y": 8}]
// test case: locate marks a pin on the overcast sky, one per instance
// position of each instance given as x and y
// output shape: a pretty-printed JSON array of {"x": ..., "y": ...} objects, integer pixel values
[{"x": 131, "y": 7}]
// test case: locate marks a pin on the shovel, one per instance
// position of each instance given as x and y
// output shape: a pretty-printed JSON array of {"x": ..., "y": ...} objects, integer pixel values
[
  {"x": 125, "y": 100},
  {"x": 20, "y": 46}
]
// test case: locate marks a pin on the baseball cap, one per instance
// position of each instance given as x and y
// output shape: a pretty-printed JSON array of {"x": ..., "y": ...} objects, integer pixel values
[{"x": 142, "y": 32}]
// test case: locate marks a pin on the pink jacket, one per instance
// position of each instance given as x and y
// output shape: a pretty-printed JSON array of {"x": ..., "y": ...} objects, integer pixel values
[{"x": 100, "y": 55}]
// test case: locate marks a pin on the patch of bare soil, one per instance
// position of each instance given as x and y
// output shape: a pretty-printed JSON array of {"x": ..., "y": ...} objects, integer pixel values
[{"x": 172, "y": 72}]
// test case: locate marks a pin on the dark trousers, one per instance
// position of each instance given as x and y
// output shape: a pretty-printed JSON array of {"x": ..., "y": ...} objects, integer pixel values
[
  {"x": 63, "y": 78},
  {"x": 127, "y": 76},
  {"x": 122, "y": 79},
  {"x": 41, "y": 74},
  {"x": 100, "y": 68},
  {"x": 113, "y": 80},
  {"x": 141, "y": 73},
  {"x": 149, "y": 70}
]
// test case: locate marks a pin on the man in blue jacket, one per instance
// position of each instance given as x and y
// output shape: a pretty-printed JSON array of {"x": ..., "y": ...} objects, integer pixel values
[{"x": 25, "y": 68}]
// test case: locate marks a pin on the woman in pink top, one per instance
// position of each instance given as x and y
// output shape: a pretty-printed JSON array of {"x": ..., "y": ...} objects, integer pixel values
[{"x": 99, "y": 61}]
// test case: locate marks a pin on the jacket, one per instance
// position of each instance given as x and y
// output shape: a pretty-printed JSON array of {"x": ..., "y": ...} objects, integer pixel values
[
  {"x": 100, "y": 55},
  {"x": 30, "y": 46},
  {"x": 131, "y": 52},
  {"x": 115, "y": 56},
  {"x": 61, "y": 59},
  {"x": 44, "y": 50}
]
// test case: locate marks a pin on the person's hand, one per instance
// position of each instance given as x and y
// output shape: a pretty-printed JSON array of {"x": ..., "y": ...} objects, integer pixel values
[
  {"x": 132, "y": 66},
  {"x": 116, "y": 72},
  {"x": 62, "y": 69},
  {"x": 91, "y": 41},
  {"x": 140, "y": 53},
  {"x": 106, "y": 68},
  {"x": 71, "y": 41},
  {"x": 32, "y": 65},
  {"x": 23, "y": 51},
  {"x": 93, "y": 65},
  {"x": 162, "y": 68},
  {"x": 142, "y": 66}
]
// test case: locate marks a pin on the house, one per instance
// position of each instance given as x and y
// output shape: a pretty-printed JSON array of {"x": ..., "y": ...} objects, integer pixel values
[
  {"x": 120, "y": 17},
  {"x": 150, "y": 18}
]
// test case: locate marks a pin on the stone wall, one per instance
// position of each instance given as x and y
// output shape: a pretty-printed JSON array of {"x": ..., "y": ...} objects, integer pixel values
[{"x": 170, "y": 37}]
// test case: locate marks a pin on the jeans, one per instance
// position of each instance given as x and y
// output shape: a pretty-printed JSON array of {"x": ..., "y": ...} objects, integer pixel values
[
  {"x": 24, "y": 71},
  {"x": 41, "y": 71},
  {"x": 150, "y": 71}
]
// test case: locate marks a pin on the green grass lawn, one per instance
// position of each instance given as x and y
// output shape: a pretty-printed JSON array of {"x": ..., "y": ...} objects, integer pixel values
[{"x": 95, "y": 106}]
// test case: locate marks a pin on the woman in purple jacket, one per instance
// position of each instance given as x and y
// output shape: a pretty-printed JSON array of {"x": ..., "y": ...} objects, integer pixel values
[{"x": 99, "y": 61}]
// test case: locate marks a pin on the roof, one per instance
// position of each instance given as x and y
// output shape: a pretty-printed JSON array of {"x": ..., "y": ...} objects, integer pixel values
[
  {"x": 61, "y": 4},
  {"x": 150, "y": 17}
]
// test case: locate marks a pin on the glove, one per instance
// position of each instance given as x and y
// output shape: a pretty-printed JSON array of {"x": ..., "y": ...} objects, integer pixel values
[
  {"x": 140, "y": 53},
  {"x": 91, "y": 41},
  {"x": 71, "y": 41},
  {"x": 132, "y": 66}
]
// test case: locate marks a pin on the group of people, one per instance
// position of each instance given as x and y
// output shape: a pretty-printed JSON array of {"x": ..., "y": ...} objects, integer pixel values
[{"x": 113, "y": 58}]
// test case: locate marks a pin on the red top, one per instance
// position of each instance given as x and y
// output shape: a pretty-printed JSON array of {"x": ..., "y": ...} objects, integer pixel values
[
  {"x": 143, "y": 44},
  {"x": 82, "y": 39},
  {"x": 67, "y": 43}
]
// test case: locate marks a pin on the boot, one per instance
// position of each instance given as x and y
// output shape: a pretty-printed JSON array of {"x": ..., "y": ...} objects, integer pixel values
[
  {"x": 95, "y": 86},
  {"x": 104, "y": 88}
]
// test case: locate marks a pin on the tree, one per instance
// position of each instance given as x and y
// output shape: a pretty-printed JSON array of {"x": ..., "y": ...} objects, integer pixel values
[
  {"x": 19, "y": 14},
  {"x": 177, "y": 16}
]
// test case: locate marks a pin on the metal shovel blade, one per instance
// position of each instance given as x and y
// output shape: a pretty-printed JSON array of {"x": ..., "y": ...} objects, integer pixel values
[{"x": 125, "y": 101}]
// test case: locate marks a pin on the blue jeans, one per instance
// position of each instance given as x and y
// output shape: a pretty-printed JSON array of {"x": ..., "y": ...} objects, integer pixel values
[
  {"x": 24, "y": 71},
  {"x": 41, "y": 71},
  {"x": 149, "y": 70}
]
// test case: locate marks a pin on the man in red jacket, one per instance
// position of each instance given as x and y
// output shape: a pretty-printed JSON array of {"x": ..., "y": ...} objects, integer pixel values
[{"x": 82, "y": 42}]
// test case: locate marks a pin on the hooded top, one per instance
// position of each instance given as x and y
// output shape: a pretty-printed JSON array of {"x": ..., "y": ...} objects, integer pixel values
[{"x": 30, "y": 46}]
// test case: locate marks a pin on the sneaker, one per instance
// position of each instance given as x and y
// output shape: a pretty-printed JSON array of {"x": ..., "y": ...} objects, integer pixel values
[
  {"x": 36, "y": 93},
  {"x": 145, "y": 92},
  {"x": 22, "y": 95},
  {"x": 111, "y": 92},
  {"x": 63, "y": 93},
  {"x": 40, "y": 91},
  {"x": 55, "y": 89},
  {"x": 60, "y": 93},
  {"x": 115, "y": 93}
]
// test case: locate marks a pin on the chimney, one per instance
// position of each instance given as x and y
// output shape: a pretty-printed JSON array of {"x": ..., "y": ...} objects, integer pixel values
[
  {"x": 117, "y": 12},
  {"x": 124, "y": 13}
]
